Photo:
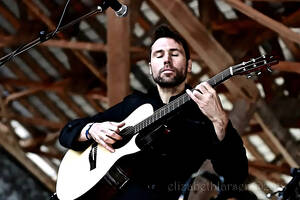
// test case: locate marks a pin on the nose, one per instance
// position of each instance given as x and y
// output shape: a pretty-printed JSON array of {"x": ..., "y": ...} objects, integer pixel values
[{"x": 167, "y": 59}]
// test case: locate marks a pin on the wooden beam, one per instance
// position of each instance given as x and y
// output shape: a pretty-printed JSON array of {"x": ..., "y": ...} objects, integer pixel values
[
  {"x": 235, "y": 26},
  {"x": 11, "y": 145},
  {"x": 209, "y": 13},
  {"x": 55, "y": 63},
  {"x": 263, "y": 176},
  {"x": 277, "y": 134},
  {"x": 252, "y": 149},
  {"x": 118, "y": 64},
  {"x": 287, "y": 66},
  {"x": 277, "y": 27},
  {"x": 74, "y": 107},
  {"x": 241, "y": 114},
  {"x": 38, "y": 13},
  {"x": 97, "y": 95},
  {"x": 30, "y": 144},
  {"x": 88, "y": 46},
  {"x": 34, "y": 87},
  {"x": 9, "y": 17},
  {"x": 39, "y": 122},
  {"x": 293, "y": 47},
  {"x": 207, "y": 48},
  {"x": 261, "y": 165}
]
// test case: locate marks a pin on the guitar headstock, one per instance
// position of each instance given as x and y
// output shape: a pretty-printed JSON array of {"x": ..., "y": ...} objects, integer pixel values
[{"x": 255, "y": 66}]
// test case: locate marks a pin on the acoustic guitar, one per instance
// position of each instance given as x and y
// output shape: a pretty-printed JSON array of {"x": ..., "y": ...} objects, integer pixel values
[{"x": 79, "y": 172}]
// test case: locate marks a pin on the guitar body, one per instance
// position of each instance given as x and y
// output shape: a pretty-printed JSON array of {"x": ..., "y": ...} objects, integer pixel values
[{"x": 75, "y": 177}]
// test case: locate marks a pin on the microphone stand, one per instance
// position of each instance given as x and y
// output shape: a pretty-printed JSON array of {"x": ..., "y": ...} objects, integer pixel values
[{"x": 43, "y": 36}]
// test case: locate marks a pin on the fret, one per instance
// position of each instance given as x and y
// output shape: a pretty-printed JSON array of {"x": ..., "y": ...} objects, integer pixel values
[{"x": 224, "y": 75}]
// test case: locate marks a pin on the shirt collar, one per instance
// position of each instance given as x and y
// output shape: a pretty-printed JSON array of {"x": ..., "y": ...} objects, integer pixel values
[{"x": 153, "y": 92}]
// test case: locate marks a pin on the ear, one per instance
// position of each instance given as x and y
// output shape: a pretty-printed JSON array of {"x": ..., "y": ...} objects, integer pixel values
[
  {"x": 150, "y": 69},
  {"x": 189, "y": 67}
]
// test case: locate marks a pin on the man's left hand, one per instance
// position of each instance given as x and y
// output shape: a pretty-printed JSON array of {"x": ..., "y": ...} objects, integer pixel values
[{"x": 209, "y": 103}]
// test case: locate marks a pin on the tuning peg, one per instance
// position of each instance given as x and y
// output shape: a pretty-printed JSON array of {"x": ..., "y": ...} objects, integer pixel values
[
  {"x": 269, "y": 69},
  {"x": 258, "y": 73},
  {"x": 249, "y": 76}
]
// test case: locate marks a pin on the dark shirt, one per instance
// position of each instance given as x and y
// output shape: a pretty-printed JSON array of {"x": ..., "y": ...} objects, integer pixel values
[{"x": 174, "y": 155}]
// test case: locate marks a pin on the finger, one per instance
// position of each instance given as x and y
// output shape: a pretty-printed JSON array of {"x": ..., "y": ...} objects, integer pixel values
[
  {"x": 121, "y": 124},
  {"x": 198, "y": 95},
  {"x": 114, "y": 135},
  {"x": 115, "y": 126},
  {"x": 197, "y": 100},
  {"x": 192, "y": 95},
  {"x": 118, "y": 124},
  {"x": 103, "y": 144},
  {"x": 107, "y": 139},
  {"x": 208, "y": 87},
  {"x": 106, "y": 146},
  {"x": 203, "y": 88},
  {"x": 197, "y": 90}
]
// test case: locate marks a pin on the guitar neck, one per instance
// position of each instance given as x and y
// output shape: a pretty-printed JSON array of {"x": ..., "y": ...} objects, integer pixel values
[
  {"x": 181, "y": 100},
  {"x": 221, "y": 77}
]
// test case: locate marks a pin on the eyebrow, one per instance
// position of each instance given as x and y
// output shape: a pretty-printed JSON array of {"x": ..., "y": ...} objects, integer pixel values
[{"x": 161, "y": 50}]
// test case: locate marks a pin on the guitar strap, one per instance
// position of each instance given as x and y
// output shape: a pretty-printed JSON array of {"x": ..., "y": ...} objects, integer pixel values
[{"x": 93, "y": 156}]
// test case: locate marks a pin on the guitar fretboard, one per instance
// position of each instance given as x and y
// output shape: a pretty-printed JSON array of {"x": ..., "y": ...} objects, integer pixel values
[{"x": 179, "y": 101}]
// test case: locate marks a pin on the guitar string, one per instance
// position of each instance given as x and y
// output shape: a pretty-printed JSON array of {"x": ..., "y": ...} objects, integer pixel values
[{"x": 168, "y": 108}]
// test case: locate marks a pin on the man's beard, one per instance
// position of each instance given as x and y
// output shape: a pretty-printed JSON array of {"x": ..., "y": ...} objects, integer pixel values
[{"x": 170, "y": 83}]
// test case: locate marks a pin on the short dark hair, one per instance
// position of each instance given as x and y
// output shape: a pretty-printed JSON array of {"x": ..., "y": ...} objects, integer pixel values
[{"x": 164, "y": 31}]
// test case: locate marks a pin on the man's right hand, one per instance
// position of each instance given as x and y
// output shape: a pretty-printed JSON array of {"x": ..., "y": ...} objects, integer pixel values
[{"x": 104, "y": 133}]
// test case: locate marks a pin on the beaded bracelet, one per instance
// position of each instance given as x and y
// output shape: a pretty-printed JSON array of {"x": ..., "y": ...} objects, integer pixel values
[{"x": 87, "y": 131}]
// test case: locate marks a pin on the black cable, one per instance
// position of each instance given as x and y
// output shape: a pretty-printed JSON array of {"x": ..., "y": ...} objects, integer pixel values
[
  {"x": 23, "y": 47},
  {"x": 61, "y": 18}
]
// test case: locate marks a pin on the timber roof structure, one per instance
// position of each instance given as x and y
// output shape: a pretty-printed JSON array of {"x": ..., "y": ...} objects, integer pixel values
[{"x": 95, "y": 63}]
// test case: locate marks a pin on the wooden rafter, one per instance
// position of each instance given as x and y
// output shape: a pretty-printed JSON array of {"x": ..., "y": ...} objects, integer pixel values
[
  {"x": 288, "y": 66},
  {"x": 283, "y": 169},
  {"x": 37, "y": 12},
  {"x": 11, "y": 145},
  {"x": 277, "y": 27},
  {"x": 118, "y": 55},
  {"x": 279, "y": 136}
]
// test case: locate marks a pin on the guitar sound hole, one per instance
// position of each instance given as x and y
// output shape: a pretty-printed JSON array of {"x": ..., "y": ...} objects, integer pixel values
[{"x": 126, "y": 134}]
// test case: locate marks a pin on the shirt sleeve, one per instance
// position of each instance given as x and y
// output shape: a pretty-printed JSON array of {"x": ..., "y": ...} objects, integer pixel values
[
  {"x": 229, "y": 156},
  {"x": 70, "y": 132}
]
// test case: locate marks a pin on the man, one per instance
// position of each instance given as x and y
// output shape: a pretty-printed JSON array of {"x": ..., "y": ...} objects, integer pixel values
[{"x": 197, "y": 131}]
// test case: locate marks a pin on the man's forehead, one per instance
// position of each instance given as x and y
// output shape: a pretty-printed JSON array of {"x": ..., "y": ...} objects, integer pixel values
[{"x": 168, "y": 43}]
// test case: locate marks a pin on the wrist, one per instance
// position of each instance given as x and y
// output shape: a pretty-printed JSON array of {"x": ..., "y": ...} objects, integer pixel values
[
  {"x": 220, "y": 125},
  {"x": 221, "y": 119},
  {"x": 87, "y": 132},
  {"x": 84, "y": 135}
]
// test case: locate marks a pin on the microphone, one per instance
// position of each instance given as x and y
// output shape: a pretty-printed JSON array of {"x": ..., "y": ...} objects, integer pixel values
[
  {"x": 290, "y": 188},
  {"x": 121, "y": 10}
]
